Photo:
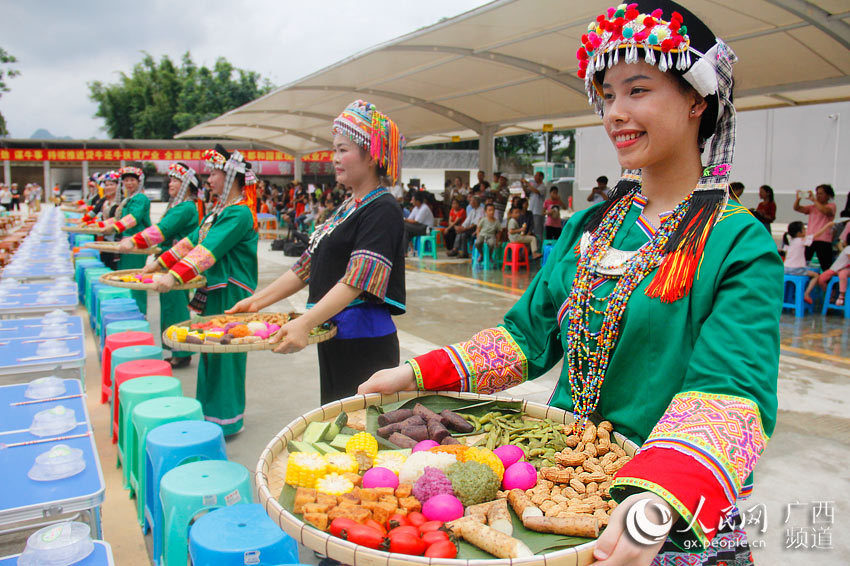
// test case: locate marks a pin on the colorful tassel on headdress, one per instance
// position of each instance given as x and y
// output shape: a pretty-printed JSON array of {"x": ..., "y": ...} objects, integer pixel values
[
  {"x": 249, "y": 196},
  {"x": 675, "y": 276}
]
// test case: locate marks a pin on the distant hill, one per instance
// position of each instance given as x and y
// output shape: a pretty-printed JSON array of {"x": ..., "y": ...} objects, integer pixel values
[{"x": 42, "y": 134}]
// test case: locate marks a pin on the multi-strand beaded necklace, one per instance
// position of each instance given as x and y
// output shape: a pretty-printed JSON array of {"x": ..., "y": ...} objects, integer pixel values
[{"x": 588, "y": 353}]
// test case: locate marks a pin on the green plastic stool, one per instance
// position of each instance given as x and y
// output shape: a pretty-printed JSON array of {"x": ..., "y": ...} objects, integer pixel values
[
  {"x": 191, "y": 488},
  {"x": 145, "y": 417},
  {"x": 132, "y": 393},
  {"x": 127, "y": 326},
  {"x": 431, "y": 247},
  {"x": 105, "y": 295},
  {"x": 92, "y": 275},
  {"x": 129, "y": 354}
]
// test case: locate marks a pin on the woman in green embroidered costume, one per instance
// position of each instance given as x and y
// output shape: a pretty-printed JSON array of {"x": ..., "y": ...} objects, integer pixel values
[
  {"x": 133, "y": 216},
  {"x": 183, "y": 215},
  {"x": 224, "y": 250},
  {"x": 663, "y": 301}
]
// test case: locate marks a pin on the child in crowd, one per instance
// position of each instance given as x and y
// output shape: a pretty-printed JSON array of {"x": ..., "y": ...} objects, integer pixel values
[
  {"x": 552, "y": 209},
  {"x": 840, "y": 268},
  {"x": 795, "y": 243},
  {"x": 515, "y": 233},
  {"x": 488, "y": 229},
  {"x": 457, "y": 215}
]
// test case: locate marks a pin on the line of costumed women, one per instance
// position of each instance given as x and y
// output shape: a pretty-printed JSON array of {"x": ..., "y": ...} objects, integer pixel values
[
  {"x": 224, "y": 249},
  {"x": 133, "y": 216},
  {"x": 354, "y": 265},
  {"x": 103, "y": 210},
  {"x": 184, "y": 214},
  {"x": 663, "y": 302}
]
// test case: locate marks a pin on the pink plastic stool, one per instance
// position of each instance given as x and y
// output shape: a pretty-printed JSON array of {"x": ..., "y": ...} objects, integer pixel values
[
  {"x": 519, "y": 257},
  {"x": 113, "y": 342},
  {"x": 130, "y": 370}
]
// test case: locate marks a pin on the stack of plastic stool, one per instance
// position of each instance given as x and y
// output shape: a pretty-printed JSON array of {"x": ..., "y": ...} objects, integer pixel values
[
  {"x": 112, "y": 344},
  {"x": 133, "y": 369}
]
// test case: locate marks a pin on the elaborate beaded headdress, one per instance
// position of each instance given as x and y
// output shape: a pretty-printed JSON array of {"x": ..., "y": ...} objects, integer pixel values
[
  {"x": 683, "y": 45},
  {"x": 231, "y": 163},
  {"x": 130, "y": 172},
  {"x": 375, "y": 132},
  {"x": 187, "y": 177}
]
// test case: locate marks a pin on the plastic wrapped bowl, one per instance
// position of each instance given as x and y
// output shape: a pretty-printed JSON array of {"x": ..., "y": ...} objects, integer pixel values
[
  {"x": 45, "y": 387},
  {"x": 53, "y": 421},
  {"x": 58, "y": 545}
]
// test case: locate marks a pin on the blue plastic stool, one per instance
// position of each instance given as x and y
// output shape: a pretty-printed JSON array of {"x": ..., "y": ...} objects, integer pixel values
[
  {"x": 113, "y": 306},
  {"x": 486, "y": 262},
  {"x": 191, "y": 488},
  {"x": 547, "y": 249},
  {"x": 427, "y": 245},
  {"x": 104, "y": 294},
  {"x": 86, "y": 253},
  {"x": 238, "y": 535},
  {"x": 827, "y": 300},
  {"x": 80, "y": 275},
  {"x": 793, "y": 297},
  {"x": 80, "y": 239},
  {"x": 112, "y": 318},
  {"x": 92, "y": 287},
  {"x": 167, "y": 447}
]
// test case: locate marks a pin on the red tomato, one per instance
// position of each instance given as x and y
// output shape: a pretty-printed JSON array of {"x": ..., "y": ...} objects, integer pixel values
[
  {"x": 430, "y": 526},
  {"x": 416, "y": 518},
  {"x": 375, "y": 525},
  {"x": 432, "y": 537},
  {"x": 363, "y": 535},
  {"x": 442, "y": 549},
  {"x": 396, "y": 520},
  {"x": 340, "y": 523},
  {"x": 406, "y": 544},
  {"x": 404, "y": 530}
]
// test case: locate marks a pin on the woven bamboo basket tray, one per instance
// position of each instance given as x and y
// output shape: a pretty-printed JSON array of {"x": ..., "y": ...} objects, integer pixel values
[
  {"x": 271, "y": 470},
  {"x": 83, "y": 230},
  {"x": 113, "y": 278},
  {"x": 69, "y": 208},
  {"x": 236, "y": 348},
  {"x": 112, "y": 247}
]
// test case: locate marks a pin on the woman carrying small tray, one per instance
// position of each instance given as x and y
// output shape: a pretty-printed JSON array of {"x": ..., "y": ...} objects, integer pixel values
[
  {"x": 224, "y": 249},
  {"x": 103, "y": 211},
  {"x": 662, "y": 301},
  {"x": 184, "y": 214},
  {"x": 133, "y": 216},
  {"x": 354, "y": 265}
]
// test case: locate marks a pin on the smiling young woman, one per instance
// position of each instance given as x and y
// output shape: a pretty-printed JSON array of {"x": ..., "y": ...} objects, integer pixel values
[
  {"x": 354, "y": 265},
  {"x": 661, "y": 301}
]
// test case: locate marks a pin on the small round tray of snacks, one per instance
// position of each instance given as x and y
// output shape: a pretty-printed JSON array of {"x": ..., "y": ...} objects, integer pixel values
[
  {"x": 135, "y": 279},
  {"x": 232, "y": 333},
  {"x": 434, "y": 477},
  {"x": 112, "y": 247},
  {"x": 82, "y": 229}
]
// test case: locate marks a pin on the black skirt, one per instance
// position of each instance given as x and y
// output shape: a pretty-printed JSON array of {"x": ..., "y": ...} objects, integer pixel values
[{"x": 345, "y": 364}]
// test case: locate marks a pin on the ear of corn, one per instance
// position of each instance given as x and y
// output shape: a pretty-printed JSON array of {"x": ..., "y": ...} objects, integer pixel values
[
  {"x": 334, "y": 484},
  {"x": 341, "y": 463},
  {"x": 304, "y": 468},
  {"x": 362, "y": 442},
  {"x": 390, "y": 460}
]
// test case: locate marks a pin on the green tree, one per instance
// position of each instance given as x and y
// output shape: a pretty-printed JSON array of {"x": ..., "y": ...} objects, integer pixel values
[
  {"x": 161, "y": 99},
  {"x": 6, "y": 59}
]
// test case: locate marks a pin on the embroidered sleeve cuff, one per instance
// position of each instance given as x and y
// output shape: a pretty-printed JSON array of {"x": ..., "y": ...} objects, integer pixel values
[
  {"x": 148, "y": 237},
  {"x": 176, "y": 253},
  {"x": 125, "y": 223},
  {"x": 489, "y": 362},
  {"x": 368, "y": 271},
  {"x": 699, "y": 457},
  {"x": 301, "y": 268},
  {"x": 196, "y": 262},
  {"x": 417, "y": 374}
]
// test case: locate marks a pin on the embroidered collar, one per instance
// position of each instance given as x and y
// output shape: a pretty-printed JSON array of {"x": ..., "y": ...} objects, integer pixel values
[{"x": 345, "y": 210}]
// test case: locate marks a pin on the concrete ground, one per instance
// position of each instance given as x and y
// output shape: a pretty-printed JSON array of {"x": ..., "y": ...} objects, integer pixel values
[{"x": 801, "y": 478}]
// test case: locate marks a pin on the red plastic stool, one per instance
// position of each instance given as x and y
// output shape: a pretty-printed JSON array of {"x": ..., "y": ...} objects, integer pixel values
[
  {"x": 130, "y": 370},
  {"x": 113, "y": 342},
  {"x": 519, "y": 257}
]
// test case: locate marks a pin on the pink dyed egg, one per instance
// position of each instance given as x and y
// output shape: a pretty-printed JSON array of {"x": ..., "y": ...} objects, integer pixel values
[
  {"x": 274, "y": 327},
  {"x": 520, "y": 475},
  {"x": 264, "y": 334},
  {"x": 443, "y": 507},
  {"x": 147, "y": 280},
  {"x": 509, "y": 454},
  {"x": 425, "y": 445},
  {"x": 380, "y": 477}
]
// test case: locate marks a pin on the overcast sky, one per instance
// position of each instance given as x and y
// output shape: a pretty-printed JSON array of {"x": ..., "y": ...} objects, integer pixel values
[{"x": 61, "y": 46}]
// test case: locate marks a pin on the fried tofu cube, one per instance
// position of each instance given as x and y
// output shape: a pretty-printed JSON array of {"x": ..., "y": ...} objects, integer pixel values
[
  {"x": 325, "y": 498},
  {"x": 385, "y": 491},
  {"x": 391, "y": 499},
  {"x": 369, "y": 494},
  {"x": 360, "y": 514},
  {"x": 403, "y": 490},
  {"x": 356, "y": 479},
  {"x": 318, "y": 507},
  {"x": 318, "y": 520},
  {"x": 382, "y": 511},
  {"x": 410, "y": 504},
  {"x": 303, "y": 495},
  {"x": 349, "y": 497}
]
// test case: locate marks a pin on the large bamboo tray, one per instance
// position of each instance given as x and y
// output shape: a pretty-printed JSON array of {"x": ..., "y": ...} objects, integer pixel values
[
  {"x": 112, "y": 247},
  {"x": 271, "y": 469},
  {"x": 69, "y": 208},
  {"x": 83, "y": 230},
  {"x": 113, "y": 278},
  {"x": 277, "y": 318}
]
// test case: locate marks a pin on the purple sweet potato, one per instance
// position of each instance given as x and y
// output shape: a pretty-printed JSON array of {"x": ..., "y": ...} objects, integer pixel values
[
  {"x": 394, "y": 416},
  {"x": 449, "y": 440},
  {"x": 386, "y": 431},
  {"x": 455, "y": 422},
  {"x": 425, "y": 412},
  {"x": 401, "y": 440},
  {"x": 436, "y": 431},
  {"x": 416, "y": 432}
]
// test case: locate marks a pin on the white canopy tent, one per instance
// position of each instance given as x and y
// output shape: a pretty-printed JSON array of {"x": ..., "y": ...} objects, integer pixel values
[{"x": 509, "y": 67}]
